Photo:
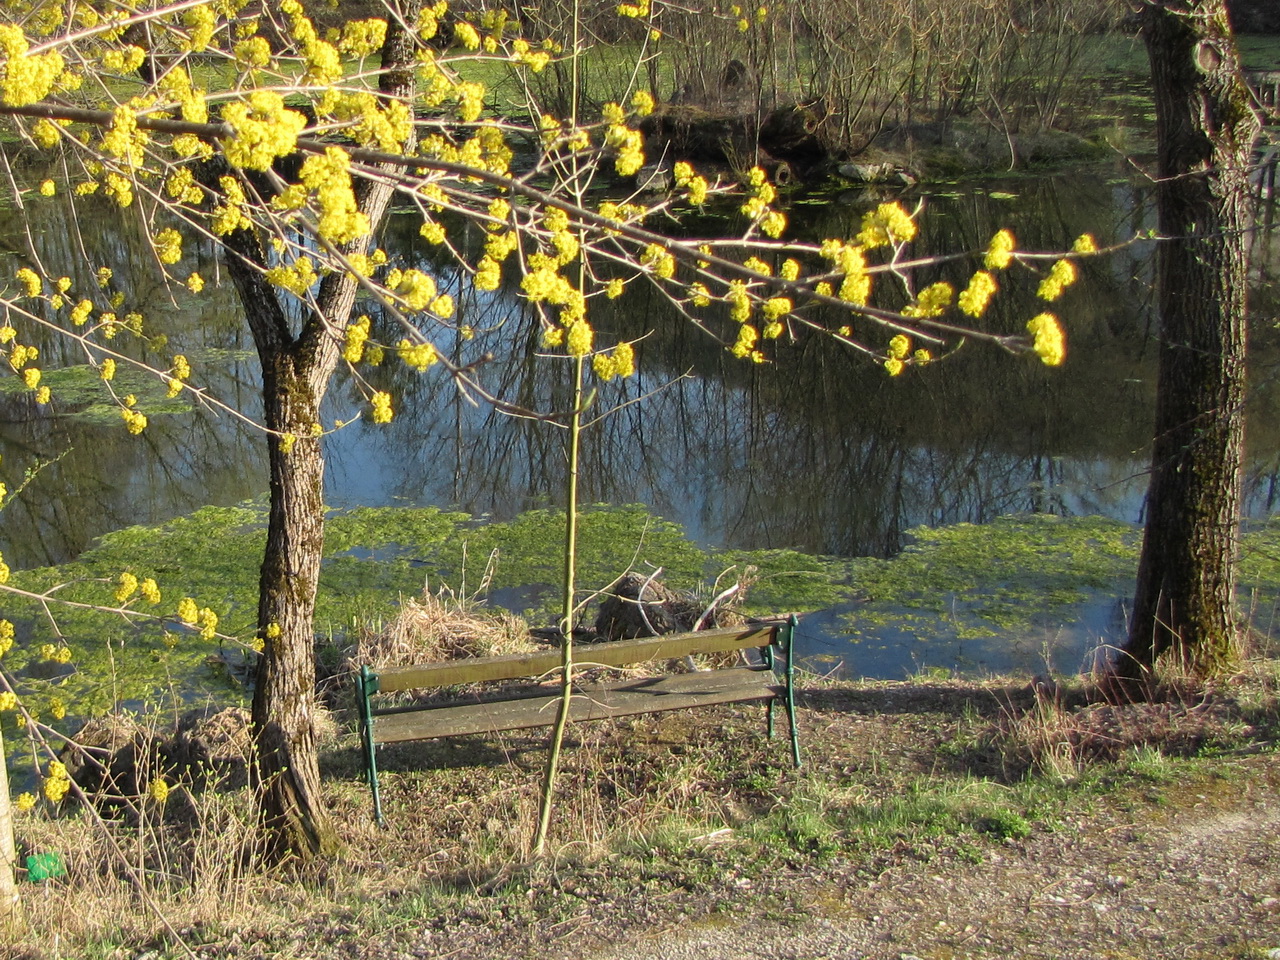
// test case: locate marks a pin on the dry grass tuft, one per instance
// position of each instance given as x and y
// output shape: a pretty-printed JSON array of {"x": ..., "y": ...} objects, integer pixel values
[
  {"x": 438, "y": 627},
  {"x": 1060, "y": 735}
]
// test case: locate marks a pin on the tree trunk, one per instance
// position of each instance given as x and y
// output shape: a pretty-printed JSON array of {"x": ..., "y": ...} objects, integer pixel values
[
  {"x": 8, "y": 850},
  {"x": 1205, "y": 129},
  {"x": 296, "y": 371},
  {"x": 283, "y": 701}
]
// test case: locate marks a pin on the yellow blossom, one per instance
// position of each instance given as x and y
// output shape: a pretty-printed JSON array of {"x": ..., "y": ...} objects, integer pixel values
[
  {"x": 888, "y": 223},
  {"x": 381, "y": 404},
  {"x": 30, "y": 280},
  {"x": 158, "y": 790},
  {"x": 1061, "y": 276},
  {"x": 25, "y": 802},
  {"x": 128, "y": 586},
  {"x": 1000, "y": 251},
  {"x": 974, "y": 298},
  {"x": 1049, "y": 341}
]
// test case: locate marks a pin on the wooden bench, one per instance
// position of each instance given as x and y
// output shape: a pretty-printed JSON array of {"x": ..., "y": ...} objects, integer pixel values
[{"x": 771, "y": 679}]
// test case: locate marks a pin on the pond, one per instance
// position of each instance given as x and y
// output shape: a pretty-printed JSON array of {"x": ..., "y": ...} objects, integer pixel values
[{"x": 815, "y": 452}]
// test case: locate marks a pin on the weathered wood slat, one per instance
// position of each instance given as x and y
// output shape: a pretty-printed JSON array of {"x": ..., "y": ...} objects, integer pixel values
[
  {"x": 596, "y": 702},
  {"x": 616, "y": 653}
]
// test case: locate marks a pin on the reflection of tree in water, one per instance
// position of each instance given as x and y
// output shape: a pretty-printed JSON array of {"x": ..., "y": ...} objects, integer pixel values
[
  {"x": 101, "y": 477},
  {"x": 816, "y": 450}
]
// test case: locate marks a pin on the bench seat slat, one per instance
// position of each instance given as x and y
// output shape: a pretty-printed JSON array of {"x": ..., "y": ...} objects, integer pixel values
[
  {"x": 647, "y": 695},
  {"x": 615, "y": 653}
]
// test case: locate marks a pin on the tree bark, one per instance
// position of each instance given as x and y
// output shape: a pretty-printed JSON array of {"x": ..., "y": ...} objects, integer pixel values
[
  {"x": 296, "y": 372},
  {"x": 8, "y": 850},
  {"x": 1205, "y": 130}
]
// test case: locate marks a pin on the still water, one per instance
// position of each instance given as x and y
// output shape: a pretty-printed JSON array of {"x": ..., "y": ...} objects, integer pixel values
[{"x": 816, "y": 450}]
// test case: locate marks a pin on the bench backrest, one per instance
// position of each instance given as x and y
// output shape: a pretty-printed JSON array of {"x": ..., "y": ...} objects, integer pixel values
[{"x": 614, "y": 653}]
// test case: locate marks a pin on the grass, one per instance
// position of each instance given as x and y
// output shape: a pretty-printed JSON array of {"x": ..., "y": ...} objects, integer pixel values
[{"x": 692, "y": 809}]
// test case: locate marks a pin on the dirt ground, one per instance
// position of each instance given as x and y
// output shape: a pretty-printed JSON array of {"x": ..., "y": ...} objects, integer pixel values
[
  {"x": 1175, "y": 861},
  {"x": 1193, "y": 877}
]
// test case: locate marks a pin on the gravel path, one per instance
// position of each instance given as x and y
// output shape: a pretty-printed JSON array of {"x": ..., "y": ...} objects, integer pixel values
[{"x": 1198, "y": 881}]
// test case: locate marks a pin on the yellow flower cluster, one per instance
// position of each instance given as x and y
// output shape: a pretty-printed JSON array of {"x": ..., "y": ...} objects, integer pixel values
[
  {"x": 739, "y": 302},
  {"x": 695, "y": 184},
  {"x": 774, "y": 309},
  {"x": 181, "y": 186},
  {"x": 123, "y": 140},
  {"x": 297, "y": 277},
  {"x": 134, "y": 421},
  {"x": 974, "y": 298},
  {"x": 415, "y": 288},
  {"x": 932, "y": 301},
  {"x": 7, "y": 701},
  {"x": 158, "y": 790},
  {"x": 466, "y": 36},
  {"x": 6, "y": 636},
  {"x": 1049, "y": 343},
  {"x": 848, "y": 259},
  {"x": 357, "y": 335},
  {"x": 168, "y": 245},
  {"x": 31, "y": 283},
  {"x": 628, "y": 146},
  {"x": 328, "y": 176},
  {"x": 369, "y": 123},
  {"x": 229, "y": 215},
  {"x": 120, "y": 188},
  {"x": 176, "y": 84},
  {"x": 201, "y": 23},
  {"x": 659, "y": 260},
  {"x": 636, "y": 11},
  {"x": 620, "y": 363},
  {"x": 381, "y": 404},
  {"x": 1085, "y": 244},
  {"x": 362, "y": 38},
  {"x": 57, "y": 782},
  {"x": 417, "y": 355},
  {"x": 579, "y": 338},
  {"x": 253, "y": 53},
  {"x": 535, "y": 60},
  {"x": 1000, "y": 250},
  {"x": 744, "y": 346},
  {"x": 27, "y": 79},
  {"x": 126, "y": 59},
  {"x": 886, "y": 224},
  {"x": 760, "y": 194},
  {"x": 128, "y": 586},
  {"x": 208, "y": 624},
  {"x": 1061, "y": 275},
  {"x": 59, "y": 654},
  {"x": 264, "y": 130}
]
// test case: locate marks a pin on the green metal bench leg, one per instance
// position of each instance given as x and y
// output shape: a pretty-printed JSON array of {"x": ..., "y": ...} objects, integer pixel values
[
  {"x": 789, "y": 648},
  {"x": 368, "y": 682}
]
